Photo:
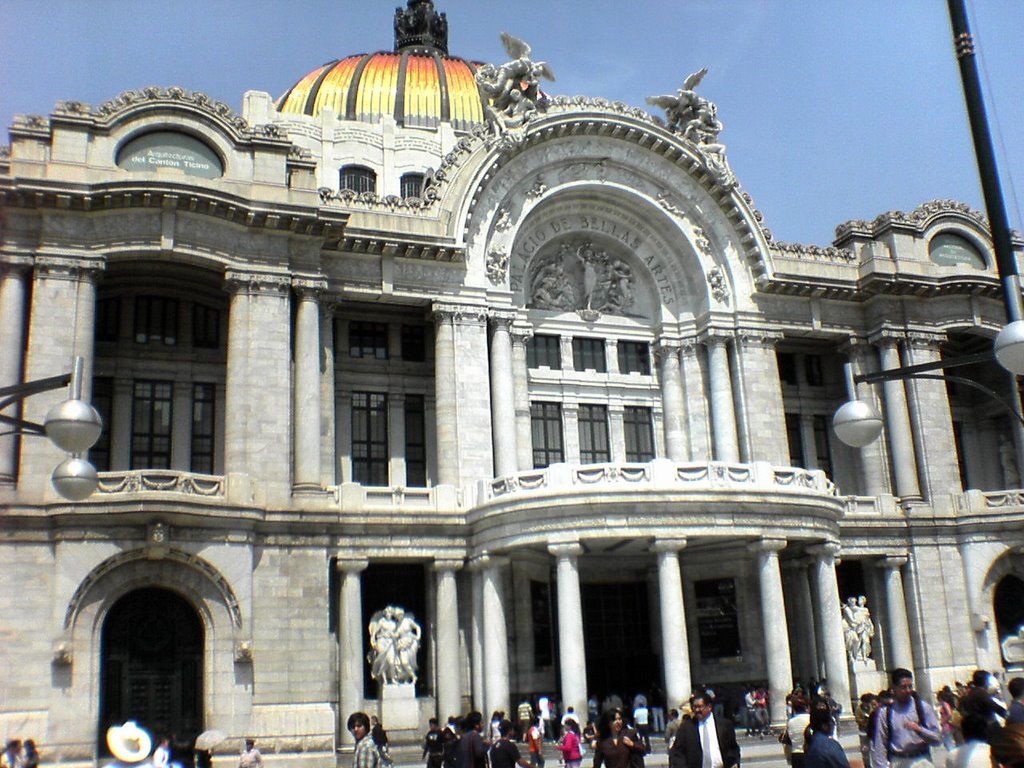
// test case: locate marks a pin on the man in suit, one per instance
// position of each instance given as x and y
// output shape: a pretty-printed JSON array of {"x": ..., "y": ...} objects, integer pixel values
[{"x": 704, "y": 741}]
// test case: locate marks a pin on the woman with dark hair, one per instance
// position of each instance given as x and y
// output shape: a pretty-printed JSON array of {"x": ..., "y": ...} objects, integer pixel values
[
  {"x": 820, "y": 749},
  {"x": 1008, "y": 746},
  {"x": 616, "y": 744},
  {"x": 570, "y": 744}
]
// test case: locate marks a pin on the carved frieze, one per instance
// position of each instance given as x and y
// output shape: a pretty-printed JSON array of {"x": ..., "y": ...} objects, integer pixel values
[
  {"x": 579, "y": 276},
  {"x": 497, "y": 266}
]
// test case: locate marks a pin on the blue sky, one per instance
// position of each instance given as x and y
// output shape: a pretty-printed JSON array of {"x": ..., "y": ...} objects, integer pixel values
[{"x": 832, "y": 109}]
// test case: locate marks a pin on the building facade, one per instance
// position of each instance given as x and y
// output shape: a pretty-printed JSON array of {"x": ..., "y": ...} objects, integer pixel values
[{"x": 532, "y": 368}]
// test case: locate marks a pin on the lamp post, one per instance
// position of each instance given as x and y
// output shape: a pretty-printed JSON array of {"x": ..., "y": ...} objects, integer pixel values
[
  {"x": 73, "y": 425},
  {"x": 856, "y": 422}
]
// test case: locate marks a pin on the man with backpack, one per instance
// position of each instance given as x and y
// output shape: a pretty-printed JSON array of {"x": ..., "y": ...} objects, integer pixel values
[{"x": 905, "y": 730}]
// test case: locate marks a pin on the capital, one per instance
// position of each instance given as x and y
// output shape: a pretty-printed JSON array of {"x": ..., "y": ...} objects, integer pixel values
[
  {"x": 443, "y": 565},
  {"x": 669, "y": 545},
  {"x": 828, "y": 549},
  {"x": 351, "y": 565},
  {"x": 893, "y": 562},
  {"x": 566, "y": 549},
  {"x": 768, "y": 546}
]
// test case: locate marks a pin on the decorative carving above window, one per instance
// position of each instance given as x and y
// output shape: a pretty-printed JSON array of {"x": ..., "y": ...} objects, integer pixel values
[
  {"x": 947, "y": 249},
  {"x": 580, "y": 277}
]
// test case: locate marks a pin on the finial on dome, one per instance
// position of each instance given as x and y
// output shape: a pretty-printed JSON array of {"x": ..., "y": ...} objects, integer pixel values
[{"x": 420, "y": 26}]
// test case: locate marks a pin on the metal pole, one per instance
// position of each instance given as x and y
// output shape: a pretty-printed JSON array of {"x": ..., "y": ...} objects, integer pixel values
[{"x": 1006, "y": 263}]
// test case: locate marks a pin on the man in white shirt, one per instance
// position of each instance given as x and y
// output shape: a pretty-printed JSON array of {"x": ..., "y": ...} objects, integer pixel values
[{"x": 704, "y": 741}]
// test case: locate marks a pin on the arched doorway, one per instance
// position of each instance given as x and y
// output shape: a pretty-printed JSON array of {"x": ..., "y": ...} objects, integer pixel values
[
  {"x": 1008, "y": 606},
  {"x": 152, "y": 665}
]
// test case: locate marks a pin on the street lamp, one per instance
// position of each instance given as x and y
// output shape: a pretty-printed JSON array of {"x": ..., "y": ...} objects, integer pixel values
[
  {"x": 856, "y": 422},
  {"x": 73, "y": 425}
]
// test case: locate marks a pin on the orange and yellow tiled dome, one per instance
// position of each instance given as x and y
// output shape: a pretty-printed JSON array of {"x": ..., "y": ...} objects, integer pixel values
[{"x": 418, "y": 84}]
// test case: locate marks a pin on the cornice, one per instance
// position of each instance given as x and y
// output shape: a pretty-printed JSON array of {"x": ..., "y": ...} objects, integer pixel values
[{"x": 916, "y": 221}]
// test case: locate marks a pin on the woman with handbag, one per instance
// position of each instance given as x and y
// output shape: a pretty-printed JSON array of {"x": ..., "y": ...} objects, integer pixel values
[{"x": 572, "y": 755}]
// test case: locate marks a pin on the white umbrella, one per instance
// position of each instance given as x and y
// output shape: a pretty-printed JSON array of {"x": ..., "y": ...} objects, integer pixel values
[{"x": 210, "y": 739}]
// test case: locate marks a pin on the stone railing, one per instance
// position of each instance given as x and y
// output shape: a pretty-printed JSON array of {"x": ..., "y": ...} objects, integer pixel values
[
  {"x": 984, "y": 501},
  {"x": 161, "y": 481},
  {"x": 662, "y": 473},
  {"x": 871, "y": 506},
  {"x": 439, "y": 498}
]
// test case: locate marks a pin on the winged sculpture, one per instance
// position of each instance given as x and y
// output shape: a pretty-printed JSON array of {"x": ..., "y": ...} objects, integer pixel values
[
  {"x": 683, "y": 107},
  {"x": 514, "y": 87}
]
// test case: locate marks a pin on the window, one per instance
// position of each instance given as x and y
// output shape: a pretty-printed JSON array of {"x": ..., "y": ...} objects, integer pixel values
[
  {"x": 822, "y": 449},
  {"x": 949, "y": 250},
  {"x": 358, "y": 178},
  {"x": 812, "y": 367},
  {"x": 795, "y": 439},
  {"x": 639, "y": 431},
  {"x": 593, "y": 426},
  {"x": 368, "y": 340},
  {"x": 108, "y": 313},
  {"x": 156, "y": 320},
  {"x": 544, "y": 352},
  {"x": 787, "y": 368},
  {"x": 588, "y": 355},
  {"x": 102, "y": 401},
  {"x": 415, "y": 442},
  {"x": 540, "y": 619},
  {"x": 634, "y": 357},
  {"x": 370, "y": 438},
  {"x": 412, "y": 185},
  {"x": 414, "y": 346},
  {"x": 203, "y": 396},
  {"x": 546, "y": 428},
  {"x": 205, "y": 327},
  {"x": 151, "y": 425}
]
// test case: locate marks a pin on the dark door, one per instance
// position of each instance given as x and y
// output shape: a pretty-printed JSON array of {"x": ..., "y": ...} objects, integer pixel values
[{"x": 151, "y": 667}]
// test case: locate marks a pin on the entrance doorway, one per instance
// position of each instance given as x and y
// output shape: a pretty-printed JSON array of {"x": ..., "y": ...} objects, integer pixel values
[
  {"x": 617, "y": 632},
  {"x": 1008, "y": 602},
  {"x": 152, "y": 666}
]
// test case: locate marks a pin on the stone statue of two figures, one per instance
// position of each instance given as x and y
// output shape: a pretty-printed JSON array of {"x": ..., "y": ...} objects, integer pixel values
[
  {"x": 394, "y": 645},
  {"x": 858, "y": 628}
]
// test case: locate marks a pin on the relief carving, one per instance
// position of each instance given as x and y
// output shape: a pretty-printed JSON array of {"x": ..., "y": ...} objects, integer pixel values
[{"x": 580, "y": 277}]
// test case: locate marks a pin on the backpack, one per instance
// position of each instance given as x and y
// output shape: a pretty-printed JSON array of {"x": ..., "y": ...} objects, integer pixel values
[{"x": 918, "y": 705}]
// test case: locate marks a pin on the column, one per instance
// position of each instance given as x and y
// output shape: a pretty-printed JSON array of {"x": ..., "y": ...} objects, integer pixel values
[
  {"x": 521, "y": 399},
  {"x": 674, "y": 643},
  {"x": 693, "y": 368},
  {"x": 477, "y": 634},
  {"x": 667, "y": 354},
  {"x": 776, "y": 636},
  {"x": 837, "y": 671},
  {"x": 13, "y": 298},
  {"x": 572, "y": 661},
  {"x": 873, "y": 468},
  {"x": 61, "y": 327},
  {"x": 396, "y": 440},
  {"x": 723, "y": 411},
  {"x": 503, "y": 410},
  {"x": 444, "y": 388},
  {"x": 350, "y": 641},
  {"x": 329, "y": 474},
  {"x": 495, "y": 630},
  {"x": 307, "y": 386},
  {"x": 801, "y": 619},
  {"x": 181, "y": 429},
  {"x": 449, "y": 664},
  {"x": 900, "y": 652},
  {"x": 897, "y": 422}
]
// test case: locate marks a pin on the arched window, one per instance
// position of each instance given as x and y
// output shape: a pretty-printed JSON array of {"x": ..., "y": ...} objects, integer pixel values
[
  {"x": 412, "y": 185},
  {"x": 948, "y": 249},
  {"x": 358, "y": 178}
]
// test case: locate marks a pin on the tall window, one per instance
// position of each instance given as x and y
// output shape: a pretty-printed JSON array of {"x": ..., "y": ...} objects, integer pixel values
[
  {"x": 812, "y": 366},
  {"x": 102, "y": 401},
  {"x": 415, "y": 442},
  {"x": 368, "y": 340},
  {"x": 543, "y": 351},
  {"x": 370, "y": 438},
  {"x": 412, "y": 184},
  {"x": 156, "y": 320},
  {"x": 358, "y": 178},
  {"x": 108, "y": 313},
  {"x": 203, "y": 397},
  {"x": 593, "y": 425},
  {"x": 787, "y": 368},
  {"x": 151, "y": 425},
  {"x": 639, "y": 429},
  {"x": 546, "y": 428},
  {"x": 634, "y": 357},
  {"x": 588, "y": 355},
  {"x": 205, "y": 327},
  {"x": 822, "y": 448},
  {"x": 795, "y": 438},
  {"x": 414, "y": 343}
]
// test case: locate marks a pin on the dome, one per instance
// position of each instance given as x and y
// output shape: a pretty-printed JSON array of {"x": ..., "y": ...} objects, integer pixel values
[{"x": 418, "y": 84}]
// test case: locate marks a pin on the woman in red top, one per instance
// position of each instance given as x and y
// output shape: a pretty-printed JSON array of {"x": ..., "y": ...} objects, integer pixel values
[{"x": 570, "y": 744}]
